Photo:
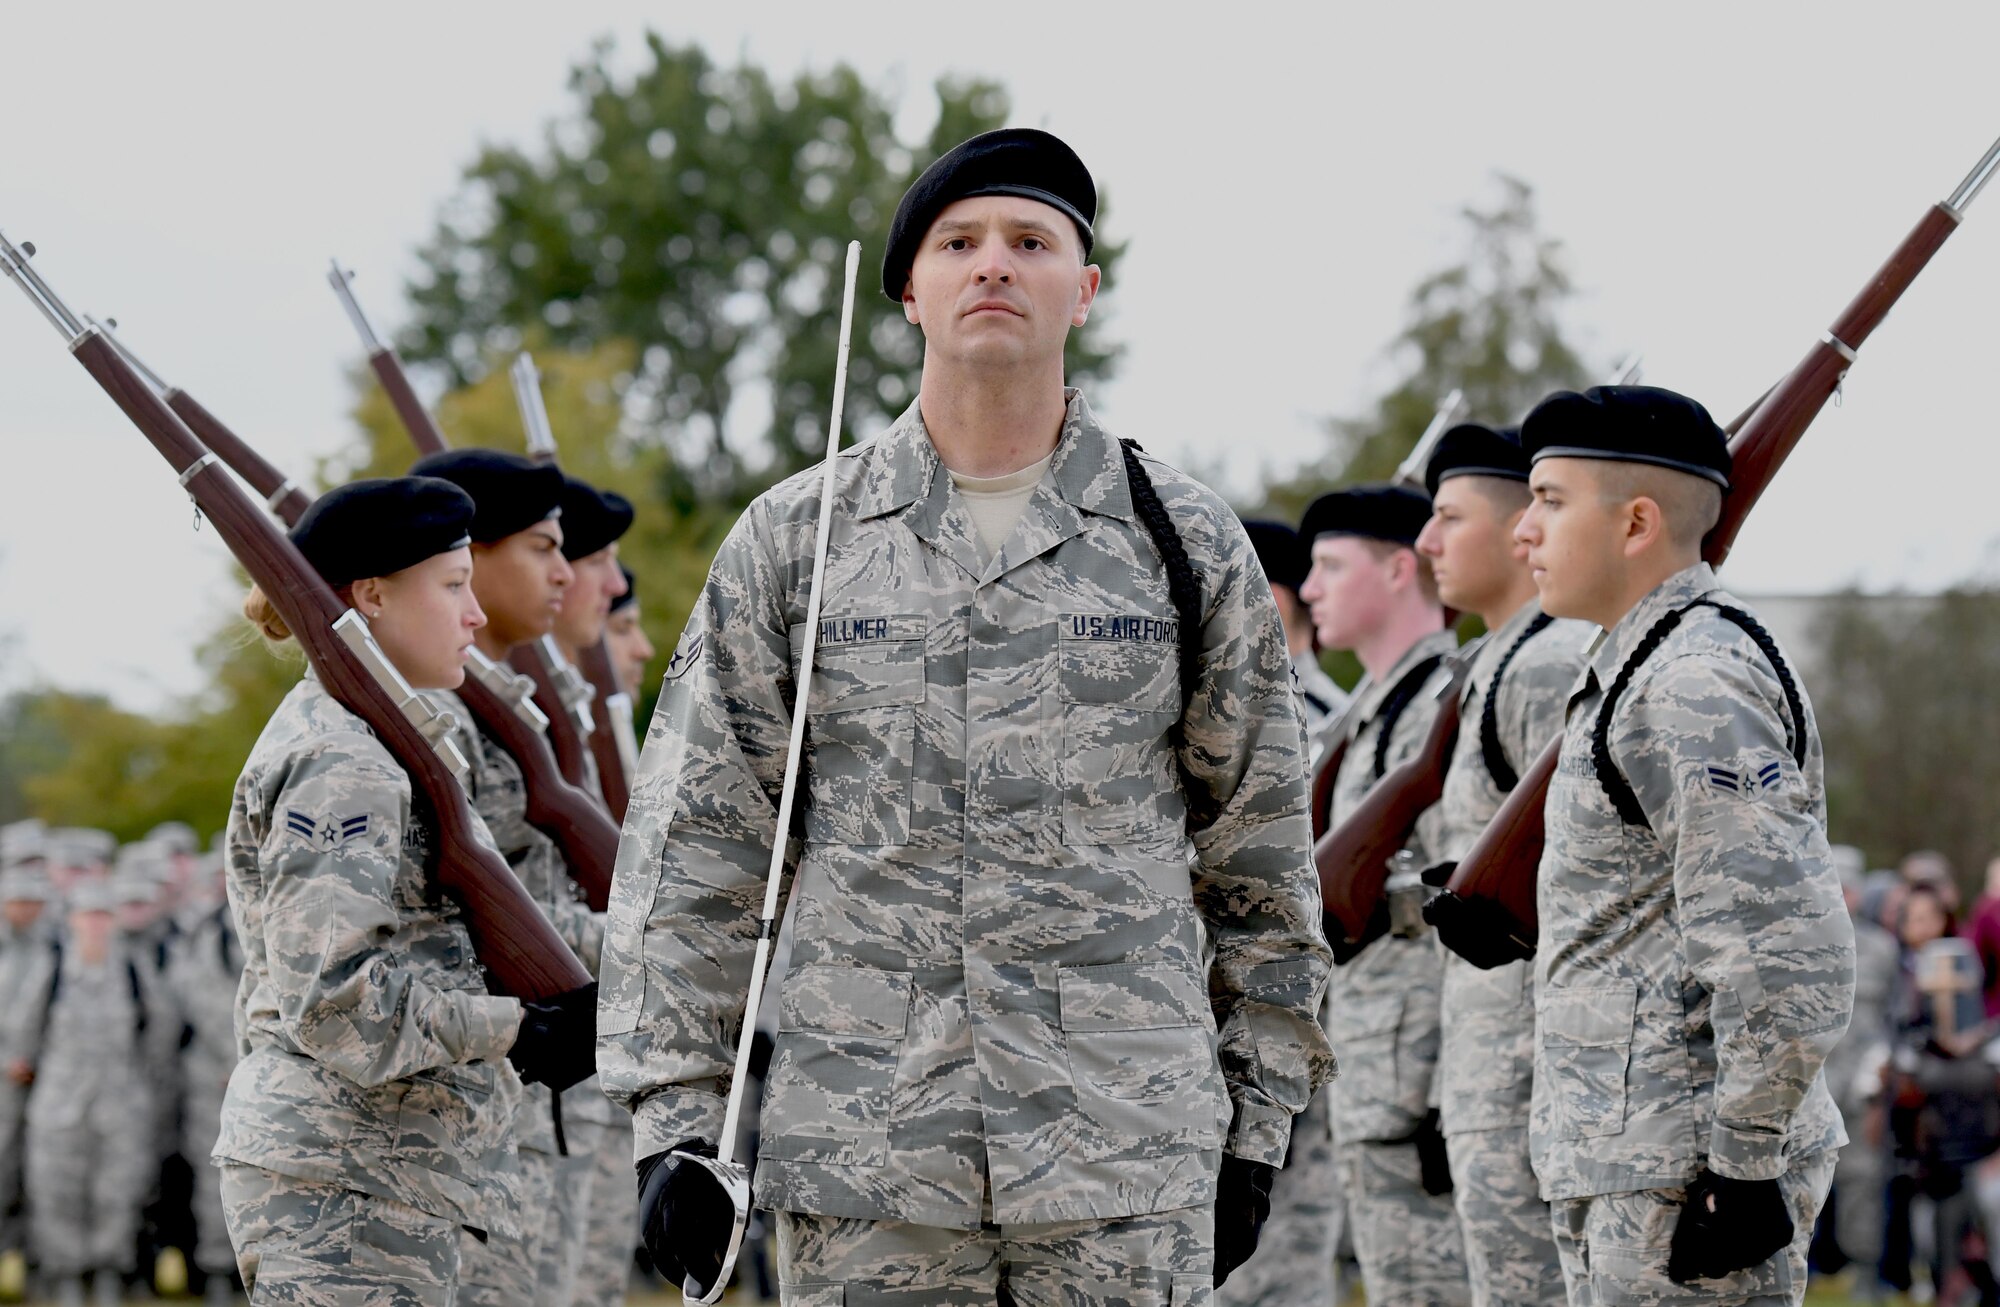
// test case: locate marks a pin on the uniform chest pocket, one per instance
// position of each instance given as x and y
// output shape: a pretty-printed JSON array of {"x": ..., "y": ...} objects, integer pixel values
[
  {"x": 1142, "y": 1057},
  {"x": 840, "y": 1036},
  {"x": 1119, "y": 685},
  {"x": 1586, "y": 1036},
  {"x": 868, "y": 682}
]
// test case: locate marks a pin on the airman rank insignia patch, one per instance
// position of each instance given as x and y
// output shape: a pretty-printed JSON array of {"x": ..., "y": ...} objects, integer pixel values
[
  {"x": 685, "y": 657},
  {"x": 325, "y": 833},
  {"x": 1745, "y": 782}
]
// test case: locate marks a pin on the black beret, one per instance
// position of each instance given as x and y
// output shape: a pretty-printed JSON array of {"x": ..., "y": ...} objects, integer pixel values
[
  {"x": 1395, "y": 514},
  {"x": 1629, "y": 424},
  {"x": 511, "y": 493},
  {"x": 591, "y": 518},
  {"x": 631, "y": 595},
  {"x": 1280, "y": 551},
  {"x": 1472, "y": 450},
  {"x": 381, "y": 526},
  {"x": 1012, "y": 161}
]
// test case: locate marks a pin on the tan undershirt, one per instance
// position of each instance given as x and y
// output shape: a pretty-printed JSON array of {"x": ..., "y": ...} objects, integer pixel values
[{"x": 996, "y": 503}]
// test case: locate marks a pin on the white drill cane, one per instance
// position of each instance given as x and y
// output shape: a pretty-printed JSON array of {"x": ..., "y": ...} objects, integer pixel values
[{"x": 734, "y": 1176}]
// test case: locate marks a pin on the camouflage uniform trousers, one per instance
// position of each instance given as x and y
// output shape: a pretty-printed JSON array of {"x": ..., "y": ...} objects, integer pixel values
[
  {"x": 1858, "y": 1211},
  {"x": 614, "y": 1221},
  {"x": 90, "y": 1164},
  {"x": 1293, "y": 1264},
  {"x": 1510, "y": 1247},
  {"x": 1614, "y": 1246},
  {"x": 303, "y": 1243},
  {"x": 1407, "y": 1241},
  {"x": 575, "y": 1180},
  {"x": 1163, "y": 1259},
  {"x": 13, "y": 1143},
  {"x": 504, "y": 1269},
  {"x": 212, "y": 1252}
]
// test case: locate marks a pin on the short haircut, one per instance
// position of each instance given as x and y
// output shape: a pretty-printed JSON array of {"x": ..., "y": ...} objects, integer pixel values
[
  {"x": 1427, "y": 585},
  {"x": 1690, "y": 504},
  {"x": 1507, "y": 495}
]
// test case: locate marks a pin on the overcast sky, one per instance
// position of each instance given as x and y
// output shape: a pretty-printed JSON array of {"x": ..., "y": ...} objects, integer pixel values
[{"x": 1724, "y": 176}]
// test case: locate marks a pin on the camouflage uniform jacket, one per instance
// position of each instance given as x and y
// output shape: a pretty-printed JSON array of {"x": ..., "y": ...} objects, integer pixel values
[
  {"x": 1693, "y": 972},
  {"x": 500, "y": 797},
  {"x": 373, "y": 1055},
  {"x": 1488, "y": 1049},
  {"x": 1382, "y": 1007},
  {"x": 203, "y": 973},
  {"x": 1010, "y": 879}
]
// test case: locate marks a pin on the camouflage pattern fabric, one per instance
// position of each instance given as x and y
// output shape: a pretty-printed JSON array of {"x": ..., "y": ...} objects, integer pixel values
[
  {"x": 304, "y": 1243},
  {"x": 1321, "y": 698},
  {"x": 1693, "y": 974},
  {"x": 374, "y": 1057},
  {"x": 612, "y": 1230},
  {"x": 151, "y": 949},
  {"x": 1406, "y": 1240},
  {"x": 1510, "y": 1251},
  {"x": 206, "y": 968},
  {"x": 1614, "y": 1247},
  {"x": 1010, "y": 875},
  {"x": 1163, "y": 1259},
  {"x": 507, "y": 1267},
  {"x": 1487, "y": 1038},
  {"x": 1293, "y": 1264},
  {"x": 1858, "y": 1176},
  {"x": 90, "y": 1158}
]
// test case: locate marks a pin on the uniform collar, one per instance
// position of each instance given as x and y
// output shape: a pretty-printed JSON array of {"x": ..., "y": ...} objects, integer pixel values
[
  {"x": 1610, "y": 649},
  {"x": 1370, "y": 694},
  {"x": 1510, "y": 630},
  {"x": 1086, "y": 476}
]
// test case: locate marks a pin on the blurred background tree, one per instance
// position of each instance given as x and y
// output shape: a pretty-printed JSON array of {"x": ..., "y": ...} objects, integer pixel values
[{"x": 1488, "y": 324}]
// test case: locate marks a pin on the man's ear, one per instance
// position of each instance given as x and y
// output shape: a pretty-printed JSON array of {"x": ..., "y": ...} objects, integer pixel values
[
  {"x": 1091, "y": 277},
  {"x": 1401, "y": 568},
  {"x": 367, "y": 593},
  {"x": 910, "y": 306},
  {"x": 1645, "y": 526}
]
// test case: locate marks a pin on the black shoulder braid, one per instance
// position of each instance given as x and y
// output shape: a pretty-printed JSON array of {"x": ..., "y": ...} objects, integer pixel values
[
  {"x": 1608, "y": 775},
  {"x": 1393, "y": 706},
  {"x": 1182, "y": 586},
  {"x": 1497, "y": 766}
]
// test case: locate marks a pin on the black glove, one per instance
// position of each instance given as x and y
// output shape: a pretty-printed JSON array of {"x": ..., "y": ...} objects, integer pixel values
[
  {"x": 1346, "y": 950},
  {"x": 1438, "y": 875},
  {"x": 1727, "y": 1226},
  {"x": 1242, "y": 1202},
  {"x": 685, "y": 1216},
  {"x": 557, "y": 1042},
  {"x": 1478, "y": 930},
  {"x": 1433, "y": 1162}
]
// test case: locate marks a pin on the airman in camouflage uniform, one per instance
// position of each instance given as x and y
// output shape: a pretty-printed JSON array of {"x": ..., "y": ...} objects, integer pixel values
[
  {"x": 1511, "y": 706},
  {"x": 204, "y": 973},
  {"x": 1381, "y": 1013},
  {"x": 28, "y": 924},
  {"x": 374, "y": 1095},
  {"x": 90, "y": 1156},
  {"x": 1696, "y": 963},
  {"x": 1005, "y": 1061}
]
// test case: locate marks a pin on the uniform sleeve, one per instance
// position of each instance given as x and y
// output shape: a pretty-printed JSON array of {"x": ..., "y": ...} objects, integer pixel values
[
  {"x": 1244, "y": 760},
  {"x": 330, "y": 912},
  {"x": 1535, "y": 696},
  {"x": 1764, "y": 926},
  {"x": 688, "y": 888}
]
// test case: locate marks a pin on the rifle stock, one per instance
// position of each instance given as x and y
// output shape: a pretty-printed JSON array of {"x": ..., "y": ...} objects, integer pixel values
[
  {"x": 558, "y": 692},
  {"x": 514, "y": 941},
  {"x": 1353, "y": 858},
  {"x": 282, "y": 495},
  {"x": 1500, "y": 870}
]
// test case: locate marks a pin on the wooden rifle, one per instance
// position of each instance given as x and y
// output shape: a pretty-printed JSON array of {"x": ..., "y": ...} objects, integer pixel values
[
  {"x": 1488, "y": 914},
  {"x": 514, "y": 941},
  {"x": 612, "y": 744}
]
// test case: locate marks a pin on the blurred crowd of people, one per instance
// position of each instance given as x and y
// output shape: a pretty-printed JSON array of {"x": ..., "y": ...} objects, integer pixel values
[
  {"x": 118, "y": 974},
  {"x": 1916, "y": 1198}
]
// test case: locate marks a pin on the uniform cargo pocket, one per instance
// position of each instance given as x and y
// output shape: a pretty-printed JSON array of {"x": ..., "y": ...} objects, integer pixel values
[
  {"x": 840, "y": 1035},
  {"x": 1586, "y": 1036},
  {"x": 1120, "y": 699},
  {"x": 868, "y": 681},
  {"x": 1142, "y": 1058}
]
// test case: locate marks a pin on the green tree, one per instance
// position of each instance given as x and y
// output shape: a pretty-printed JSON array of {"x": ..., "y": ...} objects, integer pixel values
[
  {"x": 1907, "y": 692},
  {"x": 699, "y": 212},
  {"x": 1489, "y": 325}
]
